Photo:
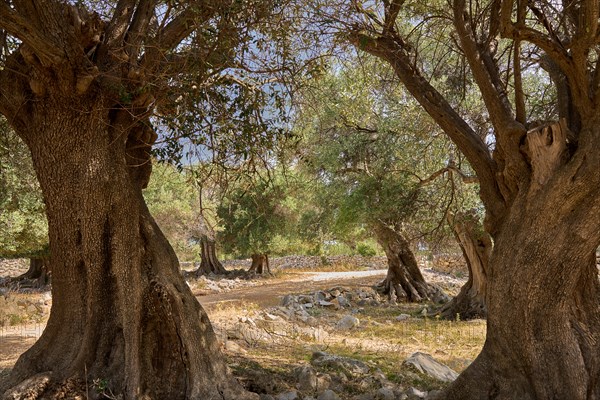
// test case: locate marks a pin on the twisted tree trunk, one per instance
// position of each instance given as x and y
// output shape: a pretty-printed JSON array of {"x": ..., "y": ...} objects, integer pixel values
[
  {"x": 121, "y": 312},
  {"x": 476, "y": 246},
  {"x": 210, "y": 263},
  {"x": 543, "y": 335},
  {"x": 404, "y": 281},
  {"x": 260, "y": 264}
]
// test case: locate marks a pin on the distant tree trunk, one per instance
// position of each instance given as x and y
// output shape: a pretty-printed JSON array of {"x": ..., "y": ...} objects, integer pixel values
[
  {"x": 210, "y": 263},
  {"x": 121, "y": 311},
  {"x": 476, "y": 246},
  {"x": 404, "y": 281},
  {"x": 38, "y": 273},
  {"x": 260, "y": 264}
]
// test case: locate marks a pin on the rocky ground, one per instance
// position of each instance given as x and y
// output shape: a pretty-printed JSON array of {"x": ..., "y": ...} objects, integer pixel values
[{"x": 304, "y": 333}]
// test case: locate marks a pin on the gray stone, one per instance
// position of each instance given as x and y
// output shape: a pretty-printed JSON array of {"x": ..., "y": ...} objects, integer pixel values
[
  {"x": 328, "y": 395},
  {"x": 385, "y": 394},
  {"x": 310, "y": 381},
  {"x": 233, "y": 347},
  {"x": 291, "y": 395},
  {"x": 414, "y": 393},
  {"x": 426, "y": 364},
  {"x": 349, "y": 366},
  {"x": 287, "y": 300},
  {"x": 319, "y": 296},
  {"x": 347, "y": 322},
  {"x": 325, "y": 303},
  {"x": 343, "y": 302},
  {"x": 402, "y": 317},
  {"x": 266, "y": 397}
]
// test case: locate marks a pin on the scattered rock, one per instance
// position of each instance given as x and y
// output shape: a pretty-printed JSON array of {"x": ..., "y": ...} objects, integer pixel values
[
  {"x": 385, "y": 394},
  {"x": 402, "y": 317},
  {"x": 328, "y": 395},
  {"x": 347, "y": 322},
  {"x": 426, "y": 364},
  {"x": 291, "y": 395},
  {"x": 349, "y": 366},
  {"x": 343, "y": 302},
  {"x": 233, "y": 347},
  {"x": 414, "y": 393}
]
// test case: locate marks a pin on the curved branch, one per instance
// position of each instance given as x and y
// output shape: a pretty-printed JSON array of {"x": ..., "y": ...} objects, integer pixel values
[{"x": 470, "y": 144}]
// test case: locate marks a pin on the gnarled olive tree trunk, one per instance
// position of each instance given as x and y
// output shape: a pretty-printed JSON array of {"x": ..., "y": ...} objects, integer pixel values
[
  {"x": 260, "y": 264},
  {"x": 476, "y": 246},
  {"x": 543, "y": 336},
  {"x": 210, "y": 263},
  {"x": 121, "y": 312},
  {"x": 404, "y": 281},
  {"x": 541, "y": 191}
]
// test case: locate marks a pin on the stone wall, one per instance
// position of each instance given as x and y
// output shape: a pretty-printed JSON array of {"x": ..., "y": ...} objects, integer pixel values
[
  {"x": 449, "y": 263},
  {"x": 315, "y": 262},
  {"x": 13, "y": 266}
]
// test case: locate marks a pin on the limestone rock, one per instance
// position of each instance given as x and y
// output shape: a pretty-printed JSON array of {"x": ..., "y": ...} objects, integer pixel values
[
  {"x": 426, "y": 364},
  {"x": 347, "y": 322}
]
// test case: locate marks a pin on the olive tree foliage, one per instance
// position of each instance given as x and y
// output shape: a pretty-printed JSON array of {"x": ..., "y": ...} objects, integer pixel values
[
  {"x": 382, "y": 165},
  {"x": 23, "y": 224},
  {"x": 537, "y": 176},
  {"x": 253, "y": 214},
  {"x": 379, "y": 159},
  {"x": 173, "y": 201}
]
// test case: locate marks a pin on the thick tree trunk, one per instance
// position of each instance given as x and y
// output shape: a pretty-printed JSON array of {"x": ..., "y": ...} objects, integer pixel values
[
  {"x": 476, "y": 246},
  {"x": 260, "y": 264},
  {"x": 404, "y": 281},
  {"x": 121, "y": 312},
  {"x": 210, "y": 263},
  {"x": 543, "y": 332}
]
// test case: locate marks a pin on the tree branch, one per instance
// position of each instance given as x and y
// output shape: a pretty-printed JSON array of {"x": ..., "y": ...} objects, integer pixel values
[
  {"x": 117, "y": 27},
  {"x": 20, "y": 27},
  {"x": 470, "y": 144},
  {"x": 138, "y": 29}
]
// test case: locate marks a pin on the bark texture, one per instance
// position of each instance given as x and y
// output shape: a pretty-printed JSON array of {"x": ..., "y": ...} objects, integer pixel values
[
  {"x": 260, "y": 264},
  {"x": 404, "y": 281},
  {"x": 476, "y": 246},
  {"x": 79, "y": 90},
  {"x": 121, "y": 313}
]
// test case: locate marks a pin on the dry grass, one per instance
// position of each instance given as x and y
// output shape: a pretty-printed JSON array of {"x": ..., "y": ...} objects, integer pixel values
[{"x": 381, "y": 341}]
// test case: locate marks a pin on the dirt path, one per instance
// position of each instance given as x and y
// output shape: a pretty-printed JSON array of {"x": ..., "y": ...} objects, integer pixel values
[
  {"x": 17, "y": 339},
  {"x": 270, "y": 294}
]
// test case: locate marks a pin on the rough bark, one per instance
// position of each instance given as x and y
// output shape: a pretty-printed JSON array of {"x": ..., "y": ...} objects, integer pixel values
[
  {"x": 121, "y": 313},
  {"x": 210, "y": 263},
  {"x": 476, "y": 246},
  {"x": 260, "y": 264},
  {"x": 404, "y": 281},
  {"x": 543, "y": 335}
]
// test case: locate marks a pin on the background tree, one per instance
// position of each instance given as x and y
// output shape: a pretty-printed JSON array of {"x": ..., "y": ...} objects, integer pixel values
[
  {"x": 374, "y": 152},
  {"x": 23, "y": 224},
  {"x": 539, "y": 183},
  {"x": 252, "y": 214},
  {"x": 80, "y": 83},
  {"x": 172, "y": 201}
]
